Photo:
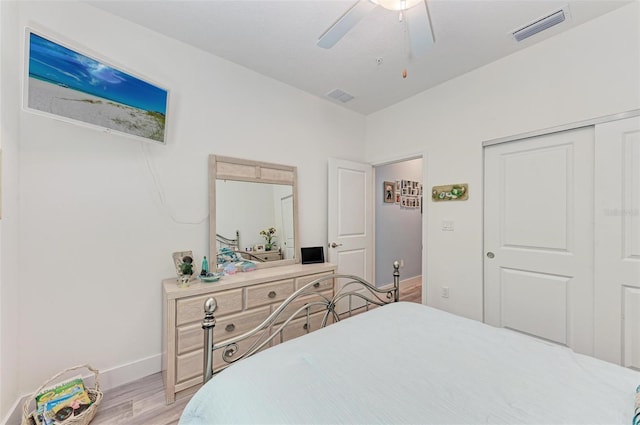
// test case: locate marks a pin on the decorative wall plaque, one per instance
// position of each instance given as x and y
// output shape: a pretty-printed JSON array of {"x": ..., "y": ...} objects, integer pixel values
[{"x": 450, "y": 192}]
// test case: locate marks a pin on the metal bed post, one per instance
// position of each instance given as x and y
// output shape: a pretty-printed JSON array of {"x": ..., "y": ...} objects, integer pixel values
[
  {"x": 396, "y": 281},
  {"x": 208, "y": 323}
]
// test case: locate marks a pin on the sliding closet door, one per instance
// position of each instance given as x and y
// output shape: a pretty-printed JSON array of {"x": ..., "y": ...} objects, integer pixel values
[
  {"x": 617, "y": 248},
  {"x": 538, "y": 223}
]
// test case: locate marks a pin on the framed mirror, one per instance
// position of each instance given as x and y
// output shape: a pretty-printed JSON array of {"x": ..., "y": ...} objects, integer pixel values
[{"x": 253, "y": 212}]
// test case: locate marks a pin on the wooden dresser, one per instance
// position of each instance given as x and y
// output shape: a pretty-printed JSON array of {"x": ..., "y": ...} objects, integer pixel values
[{"x": 244, "y": 301}]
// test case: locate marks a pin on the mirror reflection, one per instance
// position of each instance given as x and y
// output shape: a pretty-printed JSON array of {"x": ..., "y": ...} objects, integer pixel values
[{"x": 259, "y": 217}]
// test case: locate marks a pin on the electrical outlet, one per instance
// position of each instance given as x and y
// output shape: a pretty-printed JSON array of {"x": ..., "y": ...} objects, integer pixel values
[
  {"x": 447, "y": 225},
  {"x": 444, "y": 291},
  {"x": 401, "y": 263}
]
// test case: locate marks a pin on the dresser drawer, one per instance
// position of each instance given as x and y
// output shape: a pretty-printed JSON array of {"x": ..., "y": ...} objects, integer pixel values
[
  {"x": 191, "y": 337},
  {"x": 268, "y": 255},
  {"x": 190, "y": 366},
  {"x": 219, "y": 363},
  {"x": 299, "y": 302},
  {"x": 192, "y": 309},
  {"x": 322, "y": 286},
  {"x": 269, "y": 293},
  {"x": 298, "y": 327}
]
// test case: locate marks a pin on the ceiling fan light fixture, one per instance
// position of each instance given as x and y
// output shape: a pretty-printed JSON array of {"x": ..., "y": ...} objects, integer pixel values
[{"x": 397, "y": 5}]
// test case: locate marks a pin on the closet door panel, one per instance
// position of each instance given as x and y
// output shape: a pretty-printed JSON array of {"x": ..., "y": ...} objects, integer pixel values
[
  {"x": 617, "y": 242},
  {"x": 631, "y": 328},
  {"x": 538, "y": 226}
]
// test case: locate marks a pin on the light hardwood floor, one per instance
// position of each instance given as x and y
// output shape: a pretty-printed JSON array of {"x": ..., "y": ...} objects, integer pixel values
[{"x": 142, "y": 402}]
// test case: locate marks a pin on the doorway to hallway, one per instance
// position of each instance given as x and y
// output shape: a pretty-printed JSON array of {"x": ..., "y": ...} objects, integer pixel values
[{"x": 398, "y": 221}]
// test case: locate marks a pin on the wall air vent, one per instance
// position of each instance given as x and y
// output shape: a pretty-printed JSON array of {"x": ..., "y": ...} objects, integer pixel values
[
  {"x": 340, "y": 95},
  {"x": 540, "y": 25}
]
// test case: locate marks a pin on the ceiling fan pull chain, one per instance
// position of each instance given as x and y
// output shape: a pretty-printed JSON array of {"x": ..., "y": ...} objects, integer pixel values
[{"x": 405, "y": 47}]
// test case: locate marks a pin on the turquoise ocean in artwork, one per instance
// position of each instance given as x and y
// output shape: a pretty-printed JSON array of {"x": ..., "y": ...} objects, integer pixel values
[{"x": 56, "y": 64}]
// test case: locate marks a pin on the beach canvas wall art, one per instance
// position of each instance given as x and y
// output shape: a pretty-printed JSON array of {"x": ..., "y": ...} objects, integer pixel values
[{"x": 75, "y": 87}]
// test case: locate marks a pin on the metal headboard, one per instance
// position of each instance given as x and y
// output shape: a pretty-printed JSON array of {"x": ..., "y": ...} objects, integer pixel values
[
  {"x": 233, "y": 244},
  {"x": 355, "y": 288}
]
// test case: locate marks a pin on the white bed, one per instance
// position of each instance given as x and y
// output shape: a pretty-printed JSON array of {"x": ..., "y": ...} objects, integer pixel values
[{"x": 408, "y": 363}]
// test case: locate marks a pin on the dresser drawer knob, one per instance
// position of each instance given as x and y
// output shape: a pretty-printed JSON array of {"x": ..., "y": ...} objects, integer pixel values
[
  {"x": 272, "y": 294},
  {"x": 230, "y": 327},
  {"x": 305, "y": 326},
  {"x": 316, "y": 285}
]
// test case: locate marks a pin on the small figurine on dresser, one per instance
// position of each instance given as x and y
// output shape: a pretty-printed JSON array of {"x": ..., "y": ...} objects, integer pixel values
[
  {"x": 183, "y": 261},
  {"x": 206, "y": 276},
  {"x": 205, "y": 267},
  {"x": 186, "y": 270}
]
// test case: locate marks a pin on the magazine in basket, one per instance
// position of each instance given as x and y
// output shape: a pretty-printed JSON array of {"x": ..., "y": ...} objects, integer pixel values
[{"x": 64, "y": 400}]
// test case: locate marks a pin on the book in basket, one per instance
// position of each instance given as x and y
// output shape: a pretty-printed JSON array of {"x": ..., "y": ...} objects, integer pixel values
[{"x": 62, "y": 401}]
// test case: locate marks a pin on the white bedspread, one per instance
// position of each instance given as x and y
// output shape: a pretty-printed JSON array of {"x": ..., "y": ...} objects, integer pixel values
[{"x": 408, "y": 363}]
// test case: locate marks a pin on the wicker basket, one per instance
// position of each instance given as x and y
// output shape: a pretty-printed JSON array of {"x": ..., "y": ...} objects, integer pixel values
[{"x": 83, "y": 418}]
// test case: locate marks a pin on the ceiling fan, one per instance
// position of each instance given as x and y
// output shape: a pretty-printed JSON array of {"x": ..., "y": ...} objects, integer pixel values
[{"x": 413, "y": 12}]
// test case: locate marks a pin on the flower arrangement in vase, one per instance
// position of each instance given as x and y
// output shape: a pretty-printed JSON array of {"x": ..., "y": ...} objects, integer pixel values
[{"x": 269, "y": 236}]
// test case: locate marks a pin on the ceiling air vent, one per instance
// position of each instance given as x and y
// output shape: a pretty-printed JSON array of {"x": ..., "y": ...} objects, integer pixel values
[
  {"x": 340, "y": 95},
  {"x": 540, "y": 25}
]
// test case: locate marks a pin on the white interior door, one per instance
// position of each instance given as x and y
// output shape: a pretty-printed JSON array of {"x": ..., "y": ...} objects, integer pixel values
[
  {"x": 287, "y": 227},
  {"x": 350, "y": 218},
  {"x": 617, "y": 247},
  {"x": 538, "y": 223}
]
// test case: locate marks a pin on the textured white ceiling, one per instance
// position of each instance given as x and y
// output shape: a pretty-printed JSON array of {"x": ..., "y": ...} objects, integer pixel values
[{"x": 277, "y": 38}]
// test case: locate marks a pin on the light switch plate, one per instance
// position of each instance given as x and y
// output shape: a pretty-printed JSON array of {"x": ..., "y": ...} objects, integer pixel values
[{"x": 447, "y": 225}]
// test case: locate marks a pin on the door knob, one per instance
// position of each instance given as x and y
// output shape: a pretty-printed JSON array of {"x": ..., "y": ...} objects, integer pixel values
[
  {"x": 335, "y": 245},
  {"x": 490, "y": 254}
]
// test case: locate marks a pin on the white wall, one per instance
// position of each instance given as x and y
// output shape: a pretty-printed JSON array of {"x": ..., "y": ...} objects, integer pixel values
[
  {"x": 589, "y": 71},
  {"x": 9, "y": 279},
  {"x": 101, "y": 214}
]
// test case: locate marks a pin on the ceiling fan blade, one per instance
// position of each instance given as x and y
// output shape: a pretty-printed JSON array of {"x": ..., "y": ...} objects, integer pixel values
[
  {"x": 420, "y": 32},
  {"x": 345, "y": 23}
]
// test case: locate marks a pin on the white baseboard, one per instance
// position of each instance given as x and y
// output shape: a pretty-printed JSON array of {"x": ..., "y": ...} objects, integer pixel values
[
  {"x": 123, "y": 374},
  {"x": 108, "y": 378}
]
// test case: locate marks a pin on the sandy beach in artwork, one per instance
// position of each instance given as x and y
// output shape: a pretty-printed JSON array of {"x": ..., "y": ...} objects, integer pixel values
[{"x": 66, "y": 102}]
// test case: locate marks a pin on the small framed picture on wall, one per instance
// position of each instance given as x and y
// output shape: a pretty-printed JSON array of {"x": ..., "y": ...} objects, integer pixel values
[{"x": 389, "y": 192}]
